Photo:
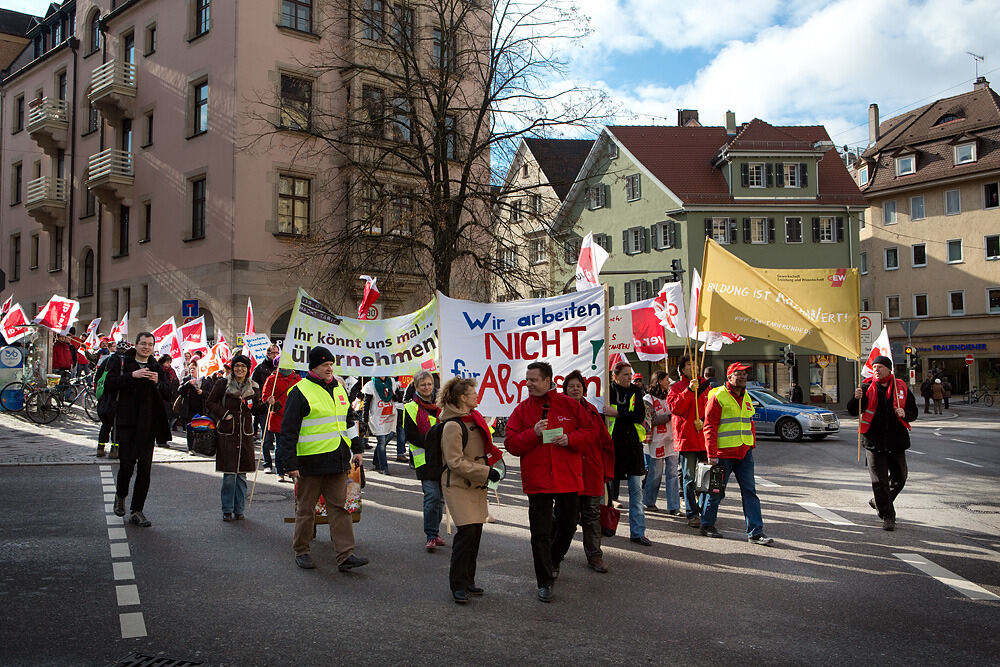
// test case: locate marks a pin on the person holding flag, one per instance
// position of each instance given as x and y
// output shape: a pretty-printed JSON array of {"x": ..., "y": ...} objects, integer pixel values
[
  {"x": 687, "y": 401},
  {"x": 886, "y": 407}
]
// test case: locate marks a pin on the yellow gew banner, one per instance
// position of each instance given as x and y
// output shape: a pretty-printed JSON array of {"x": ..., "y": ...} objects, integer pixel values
[{"x": 814, "y": 308}]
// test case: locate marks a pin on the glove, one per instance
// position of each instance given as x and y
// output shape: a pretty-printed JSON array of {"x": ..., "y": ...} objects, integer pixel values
[{"x": 494, "y": 475}]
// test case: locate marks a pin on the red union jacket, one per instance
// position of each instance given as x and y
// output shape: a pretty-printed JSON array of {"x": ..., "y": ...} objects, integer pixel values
[
  {"x": 680, "y": 400},
  {"x": 599, "y": 457},
  {"x": 547, "y": 468}
]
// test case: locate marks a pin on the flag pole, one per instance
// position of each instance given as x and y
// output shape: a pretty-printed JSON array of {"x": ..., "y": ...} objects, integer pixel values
[
  {"x": 860, "y": 375},
  {"x": 698, "y": 423},
  {"x": 606, "y": 373}
]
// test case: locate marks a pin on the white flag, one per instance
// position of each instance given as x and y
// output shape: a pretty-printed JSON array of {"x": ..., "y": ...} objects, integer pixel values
[
  {"x": 693, "y": 307},
  {"x": 880, "y": 348},
  {"x": 588, "y": 266},
  {"x": 669, "y": 307}
]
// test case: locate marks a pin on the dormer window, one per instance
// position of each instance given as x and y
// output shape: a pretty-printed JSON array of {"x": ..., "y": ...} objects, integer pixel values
[
  {"x": 863, "y": 175},
  {"x": 755, "y": 175},
  {"x": 906, "y": 165},
  {"x": 965, "y": 153}
]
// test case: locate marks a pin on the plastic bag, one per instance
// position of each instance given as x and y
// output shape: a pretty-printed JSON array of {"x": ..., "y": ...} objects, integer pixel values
[{"x": 353, "y": 503}]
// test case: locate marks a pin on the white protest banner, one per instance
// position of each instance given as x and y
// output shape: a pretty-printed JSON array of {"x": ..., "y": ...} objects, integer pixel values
[
  {"x": 396, "y": 346},
  {"x": 620, "y": 331},
  {"x": 255, "y": 346},
  {"x": 644, "y": 329},
  {"x": 495, "y": 342}
]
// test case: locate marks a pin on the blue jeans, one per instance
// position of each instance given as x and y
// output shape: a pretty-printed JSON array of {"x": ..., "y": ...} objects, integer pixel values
[
  {"x": 400, "y": 435},
  {"x": 636, "y": 512},
  {"x": 433, "y": 507},
  {"x": 743, "y": 471},
  {"x": 234, "y": 492},
  {"x": 689, "y": 468},
  {"x": 651, "y": 488},
  {"x": 379, "y": 459}
]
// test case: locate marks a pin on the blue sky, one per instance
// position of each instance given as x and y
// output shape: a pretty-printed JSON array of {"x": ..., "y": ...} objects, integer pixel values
[{"x": 800, "y": 62}]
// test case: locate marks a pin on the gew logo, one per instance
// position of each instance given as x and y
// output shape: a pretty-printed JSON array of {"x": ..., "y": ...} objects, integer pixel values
[{"x": 837, "y": 279}]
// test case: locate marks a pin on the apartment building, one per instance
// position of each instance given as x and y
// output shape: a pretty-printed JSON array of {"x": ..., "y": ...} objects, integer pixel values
[
  {"x": 156, "y": 151},
  {"x": 931, "y": 247}
]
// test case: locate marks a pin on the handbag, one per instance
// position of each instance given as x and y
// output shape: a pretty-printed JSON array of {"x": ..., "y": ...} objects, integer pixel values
[
  {"x": 709, "y": 478},
  {"x": 609, "y": 515},
  {"x": 353, "y": 502}
]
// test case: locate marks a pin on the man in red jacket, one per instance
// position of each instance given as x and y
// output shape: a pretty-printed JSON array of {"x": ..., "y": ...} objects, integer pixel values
[
  {"x": 688, "y": 438},
  {"x": 549, "y": 432},
  {"x": 274, "y": 393}
]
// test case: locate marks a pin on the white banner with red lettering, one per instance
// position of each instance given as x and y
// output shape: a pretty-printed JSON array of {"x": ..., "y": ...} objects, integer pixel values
[
  {"x": 495, "y": 342},
  {"x": 58, "y": 314},
  {"x": 193, "y": 336},
  {"x": 13, "y": 324}
]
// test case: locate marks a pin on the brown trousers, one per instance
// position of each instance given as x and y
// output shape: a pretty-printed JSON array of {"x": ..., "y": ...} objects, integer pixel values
[{"x": 333, "y": 488}]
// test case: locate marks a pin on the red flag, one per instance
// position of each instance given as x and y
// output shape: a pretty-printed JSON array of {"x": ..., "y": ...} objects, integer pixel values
[
  {"x": 58, "y": 314},
  {"x": 221, "y": 350},
  {"x": 249, "y": 328},
  {"x": 192, "y": 335},
  {"x": 119, "y": 331},
  {"x": 588, "y": 265},
  {"x": 615, "y": 359},
  {"x": 371, "y": 295},
  {"x": 6, "y": 306},
  {"x": 13, "y": 324}
]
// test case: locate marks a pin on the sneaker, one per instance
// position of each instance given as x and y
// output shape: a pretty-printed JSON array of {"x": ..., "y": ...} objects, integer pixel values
[
  {"x": 227, "y": 516},
  {"x": 351, "y": 563},
  {"x": 762, "y": 539},
  {"x": 431, "y": 545},
  {"x": 305, "y": 561},
  {"x": 710, "y": 531},
  {"x": 119, "y": 505},
  {"x": 674, "y": 512},
  {"x": 100, "y": 450},
  {"x": 694, "y": 521},
  {"x": 889, "y": 524},
  {"x": 139, "y": 519},
  {"x": 239, "y": 517},
  {"x": 439, "y": 542},
  {"x": 270, "y": 471}
]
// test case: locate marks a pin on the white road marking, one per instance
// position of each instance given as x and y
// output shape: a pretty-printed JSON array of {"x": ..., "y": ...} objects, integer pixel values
[
  {"x": 109, "y": 497},
  {"x": 123, "y": 570},
  {"x": 110, "y": 488},
  {"x": 104, "y": 468},
  {"x": 109, "y": 507},
  {"x": 127, "y": 595},
  {"x": 120, "y": 550},
  {"x": 963, "y": 586},
  {"x": 974, "y": 465},
  {"x": 826, "y": 514},
  {"x": 913, "y": 451},
  {"x": 114, "y": 519},
  {"x": 132, "y": 625},
  {"x": 763, "y": 482},
  {"x": 117, "y": 534},
  {"x": 967, "y": 442}
]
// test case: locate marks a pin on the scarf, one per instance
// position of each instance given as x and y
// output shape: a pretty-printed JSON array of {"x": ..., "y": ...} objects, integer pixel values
[
  {"x": 241, "y": 390},
  {"x": 424, "y": 413},
  {"x": 383, "y": 389},
  {"x": 885, "y": 387},
  {"x": 493, "y": 453}
]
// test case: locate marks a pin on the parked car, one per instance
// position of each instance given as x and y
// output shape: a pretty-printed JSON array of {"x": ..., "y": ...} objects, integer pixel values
[{"x": 776, "y": 415}]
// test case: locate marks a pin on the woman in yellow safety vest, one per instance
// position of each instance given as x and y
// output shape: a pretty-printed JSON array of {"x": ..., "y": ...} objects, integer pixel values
[
  {"x": 419, "y": 415},
  {"x": 624, "y": 415}
]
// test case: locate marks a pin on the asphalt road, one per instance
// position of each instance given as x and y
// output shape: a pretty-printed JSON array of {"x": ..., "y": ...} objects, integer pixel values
[{"x": 840, "y": 592}]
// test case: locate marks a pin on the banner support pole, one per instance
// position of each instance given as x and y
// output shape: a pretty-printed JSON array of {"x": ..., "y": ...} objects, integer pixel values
[{"x": 606, "y": 374}]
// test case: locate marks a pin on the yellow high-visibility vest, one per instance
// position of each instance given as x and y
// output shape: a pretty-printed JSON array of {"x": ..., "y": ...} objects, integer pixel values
[
  {"x": 639, "y": 428},
  {"x": 419, "y": 455},
  {"x": 325, "y": 427},
  {"x": 736, "y": 424}
]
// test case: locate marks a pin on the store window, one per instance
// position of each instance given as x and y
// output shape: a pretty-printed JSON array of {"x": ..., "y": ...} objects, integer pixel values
[{"x": 823, "y": 387}]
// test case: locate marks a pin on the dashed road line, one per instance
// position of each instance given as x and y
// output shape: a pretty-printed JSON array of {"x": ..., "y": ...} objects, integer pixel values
[
  {"x": 826, "y": 514},
  {"x": 127, "y": 595},
  {"x": 963, "y": 586},
  {"x": 974, "y": 465},
  {"x": 766, "y": 483},
  {"x": 913, "y": 451},
  {"x": 967, "y": 442},
  {"x": 132, "y": 623}
]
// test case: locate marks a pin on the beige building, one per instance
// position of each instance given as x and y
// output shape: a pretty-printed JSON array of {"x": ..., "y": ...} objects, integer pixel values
[
  {"x": 931, "y": 245},
  {"x": 14, "y": 27},
  {"x": 156, "y": 151}
]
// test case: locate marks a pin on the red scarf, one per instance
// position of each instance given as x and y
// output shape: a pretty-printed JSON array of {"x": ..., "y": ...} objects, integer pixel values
[
  {"x": 886, "y": 386},
  {"x": 424, "y": 412},
  {"x": 493, "y": 453}
]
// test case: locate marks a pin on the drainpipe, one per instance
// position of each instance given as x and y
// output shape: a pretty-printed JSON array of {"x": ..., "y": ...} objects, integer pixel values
[
  {"x": 100, "y": 208},
  {"x": 74, "y": 45}
]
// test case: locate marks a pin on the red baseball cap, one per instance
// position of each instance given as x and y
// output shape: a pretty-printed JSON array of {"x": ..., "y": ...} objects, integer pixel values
[
  {"x": 637, "y": 375},
  {"x": 736, "y": 367}
]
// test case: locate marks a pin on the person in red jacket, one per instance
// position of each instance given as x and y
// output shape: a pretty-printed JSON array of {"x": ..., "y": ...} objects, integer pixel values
[
  {"x": 688, "y": 438},
  {"x": 63, "y": 356},
  {"x": 598, "y": 468},
  {"x": 549, "y": 432},
  {"x": 275, "y": 392}
]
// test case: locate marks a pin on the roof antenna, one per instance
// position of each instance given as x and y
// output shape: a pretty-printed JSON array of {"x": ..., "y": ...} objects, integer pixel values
[{"x": 978, "y": 60}]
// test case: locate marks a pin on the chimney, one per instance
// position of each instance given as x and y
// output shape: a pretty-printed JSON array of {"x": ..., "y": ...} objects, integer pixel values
[
  {"x": 873, "y": 134},
  {"x": 730, "y": 123},
  {"x": 686, "y": 117},
  {"x": 981, "y": 83}
]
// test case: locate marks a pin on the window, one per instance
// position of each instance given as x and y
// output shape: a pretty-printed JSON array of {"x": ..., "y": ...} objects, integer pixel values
[
  {"x": 864, "y": 263},
  {"x": 90, "y": 203},
  {"x": 758, "y": 230},
  {"x": 952, "y": 202},
  {"x": 920, "y": 255},
  {"x": 920, "y": 305},
  {"x": 450, "y": 138},
  {"x": 793, "y": 230},
  {"x": 126, "y": 295},
  {"x": 664, "y": 235},
  {"x": 506, "y": 257},
  {"x": 637, "y": 290},
  {"x": 128, "y": 48},
  {"x": 150, "y": 47},
  {"x": 401, "y": 120},
  {"x": 863, "y": 175},
  {"x": 116, "y": 303},
  {"x": 755, "y": 175},
  {"x": 917, "y": 207},
  {"x": 612, "y": 151},
  {"x": 603, "y": 240},
  {"x": 293, "y": 205},
  {"x": 444, "y": 50},
  {"x": 889, "y": 213},
  {"x": 827, "y": 230},
  {"x": 633, "y": 187},
  {"x": 148, "y": 141},
  {"x": 16, "y": 179},
  {"x": 992, "y": 244},
  {"x": 954, "y": 251},
  {"x": 373, "y": 20},
  {"x": 18, "y": 114},
  {"x": 147, "y": 222},
  {"x": 892, "y": 307},
  {"x": 202, "y": 17},
  {"x": 956, "y": 302},
  {"x": 515, "y": 210},
  {"x": 144, "y": 295},
  {"x": 123, "y": 220},
  {"x": 56, "y": 250},
  {"x": 791, "y": 173},
  {"x": 93, "y": 118},
  {"x": 864, "y": 304},
  {"x": 965, "y": 153},
  {"x": 991, "y": 198},
  {"x": 33, "y": 252},
  {"x": 597, "y": 197},
  {"x": 634, "y": 240},
  {"x": 993, "y": 300},
  {"x": 538, "y": 294},
  {"x": 535, "y": 204},
  {"x": 296, "y": 103},
  {"x": 200, "y": 108},
  {"x": 94, "y": 31},
  {"x": 571, "y": 249},
  {"x": 372, "y": 213},
  {"x": 905, "y": 165},
  {"x": 403, "y": 25},
  {"x": 198, "y": 201},
  {"x": 891, "y": 259},
  {"x": 61, "y": 86},
  {"x": 87, "y": 283},
  {"x": 372, "y": 100},
  {"x": 15, "y": 257},
  {"x": 401, "y": 214},
  {"x": 722, "y": 231},
  {"x": 861, "y": 220},
  {"x": 297, "y": 14},
  {"x": 538, "y": 251},
  {"x": 524, "y": 170}
]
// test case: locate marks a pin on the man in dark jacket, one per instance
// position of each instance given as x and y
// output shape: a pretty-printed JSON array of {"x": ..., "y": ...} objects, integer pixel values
[
  {"x": 886, "y": 406},
  {"x": 139, "y": 386},
  {"x": 795, "y": 394},
  {"x": 549, "y": 432},
  {"x": 318, "y": 443}
]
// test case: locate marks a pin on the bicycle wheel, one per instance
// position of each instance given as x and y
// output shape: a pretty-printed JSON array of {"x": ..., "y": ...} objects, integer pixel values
[
  {"x": 90, "y": 405},
  {"x": 12, "y": 396},
  {"x": 41, "y": 406},
  {"x": 988, "y": 400}
]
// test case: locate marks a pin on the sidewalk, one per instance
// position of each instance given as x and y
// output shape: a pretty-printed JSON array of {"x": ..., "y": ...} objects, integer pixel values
[{"x": 67, "y": 441}]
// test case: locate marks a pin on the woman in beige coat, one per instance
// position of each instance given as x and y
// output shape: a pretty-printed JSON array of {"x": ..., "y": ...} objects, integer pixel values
[{"x": 464, "y": 480}]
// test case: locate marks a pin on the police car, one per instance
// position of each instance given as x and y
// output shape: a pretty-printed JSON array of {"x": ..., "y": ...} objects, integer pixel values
[{"x": 776, "y": 415}]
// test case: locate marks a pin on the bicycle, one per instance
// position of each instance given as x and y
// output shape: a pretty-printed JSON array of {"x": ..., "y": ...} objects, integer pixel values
[
  {"x": 979, "y": 394},
  {"x": 15, "y": 393},
  {"x": 44, "y": 405}
]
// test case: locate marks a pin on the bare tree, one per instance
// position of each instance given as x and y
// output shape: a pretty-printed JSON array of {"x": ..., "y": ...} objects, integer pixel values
[{"x": 414, "y": 110}]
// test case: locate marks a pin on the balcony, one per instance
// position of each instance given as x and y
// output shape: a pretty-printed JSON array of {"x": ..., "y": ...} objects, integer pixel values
[
  {"x": 48, "y": 124},
  {"x": 112, "y": 89},
  {"x": 110, "y": 175},
  {"x": 46, "y": 201}
]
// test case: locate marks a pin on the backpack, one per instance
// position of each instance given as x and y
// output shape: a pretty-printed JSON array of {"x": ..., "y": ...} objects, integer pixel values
[
  {"x": 102, "y": 374},
  {"x": 432, "y": 441}
]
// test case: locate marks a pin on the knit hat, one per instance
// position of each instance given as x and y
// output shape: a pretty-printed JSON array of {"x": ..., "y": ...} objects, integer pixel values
[
  {"x": 240, "y": 359},
  {"x": 885, "y": 361},
  {"x": 318, "y": 356},
  {"x": 937, "y": 381}
]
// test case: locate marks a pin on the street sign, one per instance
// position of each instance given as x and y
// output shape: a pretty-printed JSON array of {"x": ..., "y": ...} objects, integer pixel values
[
  {"x": 909, "y": 326},
  {"x": 189, "y": 319},
  {"x": 969, "y": 359},
  {"x": 871, "y": 327},
  {"x": 189, "y": 308},
  {"x": 913, "y": 376},
  {"x": 374, "y": 312}
]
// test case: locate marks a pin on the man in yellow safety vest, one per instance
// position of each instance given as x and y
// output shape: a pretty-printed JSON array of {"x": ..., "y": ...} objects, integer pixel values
[
  {"x": 319, "y": 442},
  {"x": 729, "y": 439}
]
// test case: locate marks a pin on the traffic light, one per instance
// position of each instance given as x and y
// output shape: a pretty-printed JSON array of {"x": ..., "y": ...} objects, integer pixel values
[
  {"x": 788, "y": 357},
  {"x": 912, "y": 360},
  {"x": 676, "y": 270}
]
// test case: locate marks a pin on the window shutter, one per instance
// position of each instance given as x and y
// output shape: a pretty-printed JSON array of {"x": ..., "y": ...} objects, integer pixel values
[
  {"x": 626, "y": 246},
  {"x": 732, "y": 230},
  {"x": 746, "y": 230},
  {"x": 637, "y": 188},
  {"x": 611, "y": 295},
  {"x": 745, "y": 175},
  {"x": 675, "y": 234},
  {"x": 816, "y": 230},
  {"x": 628, "y": 291},
  {"x": 708, "y": 227},
  {"x": 770, "y": 230},
  {"x": 606, "y": 189},
  {"x": 769, "y": 175},
  {"x": 648, "y": 289},
  {"x": 657, "y": 284},
  {"x": 803, "y": 174},
  {"x": 657, "y": 236},
  {"x": 779, "y": 175},
  {"x": 645, "y": 239},
  {"x": 840, "y": 230},
  {"x": 606, "y": 238}
]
